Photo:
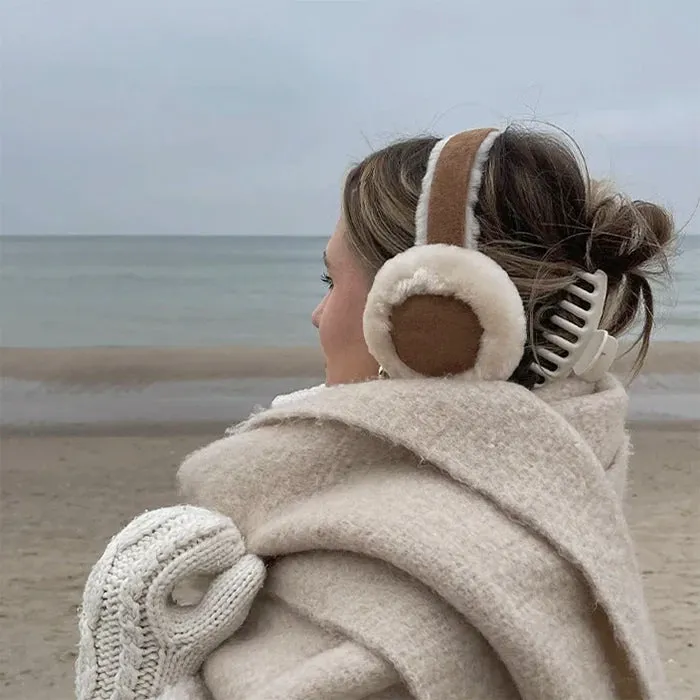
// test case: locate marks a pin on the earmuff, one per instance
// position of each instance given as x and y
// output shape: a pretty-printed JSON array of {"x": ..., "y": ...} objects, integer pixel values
[{"x": 442, "y": 308}]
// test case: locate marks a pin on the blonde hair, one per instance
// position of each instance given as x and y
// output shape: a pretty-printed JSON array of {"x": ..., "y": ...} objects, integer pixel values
[{"x": 541, "y": 218}]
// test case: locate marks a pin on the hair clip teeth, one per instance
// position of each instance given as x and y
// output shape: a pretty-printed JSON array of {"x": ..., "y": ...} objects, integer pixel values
[
  {"x": 550, "y": 355},
  {"x": 561, "y": 342},
  {"x": 544, "y": 373},
  {"x": 590, "y": 277},
  {"x": 575, "y": 310},
  {"x": 582, "y": 293},
  {"x": 592, "y": 351},
  {"x": 566, "y": 325}
]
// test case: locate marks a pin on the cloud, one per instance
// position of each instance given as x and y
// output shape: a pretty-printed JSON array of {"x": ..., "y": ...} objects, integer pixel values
[
  {"x": 171, "y": 116},
  {"x": 674, "y": 121}
]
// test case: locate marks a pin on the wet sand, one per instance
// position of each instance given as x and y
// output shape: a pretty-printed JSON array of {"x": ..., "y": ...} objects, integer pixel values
[
  {"x": 136, "y": 366},
  {"x": 64, "y": 495}
]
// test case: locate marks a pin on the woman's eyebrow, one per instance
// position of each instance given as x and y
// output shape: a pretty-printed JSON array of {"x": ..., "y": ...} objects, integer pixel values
[{"x": 325, "y": 260}]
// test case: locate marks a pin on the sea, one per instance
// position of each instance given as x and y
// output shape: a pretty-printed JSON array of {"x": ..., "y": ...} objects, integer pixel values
[
  {"x": 194, "y": 292},
  {"x": 202, "y": 291},
  {"x": 158, "y": 291}
]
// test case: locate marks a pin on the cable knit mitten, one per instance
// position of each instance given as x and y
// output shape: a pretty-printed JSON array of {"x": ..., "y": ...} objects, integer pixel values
[{"x": 136, "y": 642}]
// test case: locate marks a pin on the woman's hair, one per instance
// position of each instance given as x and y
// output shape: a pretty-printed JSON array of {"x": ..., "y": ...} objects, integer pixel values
[{"x": 541, "y": 218}]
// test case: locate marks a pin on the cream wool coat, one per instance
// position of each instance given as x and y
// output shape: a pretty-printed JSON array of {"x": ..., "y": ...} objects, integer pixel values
[{"x": 437, "y": 540}]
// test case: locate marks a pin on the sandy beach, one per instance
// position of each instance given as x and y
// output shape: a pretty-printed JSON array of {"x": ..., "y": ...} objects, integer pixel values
[{"x": 74, "y": 471}]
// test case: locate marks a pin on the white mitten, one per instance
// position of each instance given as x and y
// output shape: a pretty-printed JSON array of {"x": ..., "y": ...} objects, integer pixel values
[{"x": 136, "y": 642}]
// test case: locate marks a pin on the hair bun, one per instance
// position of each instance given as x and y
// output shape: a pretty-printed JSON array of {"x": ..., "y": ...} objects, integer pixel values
[{"x": 627, "y": 236}]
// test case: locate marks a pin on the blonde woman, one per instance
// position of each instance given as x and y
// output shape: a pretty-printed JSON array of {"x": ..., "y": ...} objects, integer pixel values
[{"x": 443, "y": 519}]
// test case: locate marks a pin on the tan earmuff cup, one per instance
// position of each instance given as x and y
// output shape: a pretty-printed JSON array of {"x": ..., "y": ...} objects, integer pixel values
[{"x": 436, "y": 335}]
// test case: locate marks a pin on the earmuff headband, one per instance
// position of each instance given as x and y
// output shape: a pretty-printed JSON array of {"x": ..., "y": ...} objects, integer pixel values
[{"x": 450, "y": 188}]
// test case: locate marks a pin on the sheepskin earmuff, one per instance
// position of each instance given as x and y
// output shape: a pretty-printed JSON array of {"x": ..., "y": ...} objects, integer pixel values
[{"x": 442, "y": 308}]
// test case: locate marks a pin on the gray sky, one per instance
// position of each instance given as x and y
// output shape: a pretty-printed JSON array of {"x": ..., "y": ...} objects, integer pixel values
[{"x": 240, "y": 117}]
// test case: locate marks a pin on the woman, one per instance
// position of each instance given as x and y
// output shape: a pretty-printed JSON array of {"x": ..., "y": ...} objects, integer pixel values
[{"x": 454, "y": 529}]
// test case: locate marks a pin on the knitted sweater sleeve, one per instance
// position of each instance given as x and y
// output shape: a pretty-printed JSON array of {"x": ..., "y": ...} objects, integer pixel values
[{"x": 136, "y": 641}]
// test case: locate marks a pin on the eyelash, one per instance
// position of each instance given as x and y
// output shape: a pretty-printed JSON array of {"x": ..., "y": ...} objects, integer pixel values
[{"x": 325, "y": 278}]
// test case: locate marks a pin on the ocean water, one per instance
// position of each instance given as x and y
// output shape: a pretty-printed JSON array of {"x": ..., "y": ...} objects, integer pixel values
[
  {"x": 156, "y": 291},
  {"x": 60, "y": 292}
]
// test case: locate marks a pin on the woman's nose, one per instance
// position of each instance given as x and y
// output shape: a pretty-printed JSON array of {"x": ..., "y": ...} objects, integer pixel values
[{"x": 318, "y": 312}]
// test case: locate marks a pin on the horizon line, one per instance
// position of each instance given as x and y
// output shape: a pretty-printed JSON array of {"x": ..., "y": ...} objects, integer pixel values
[
  {"x": 692, "y": 234},
  {"x": 161, "y": 235}
]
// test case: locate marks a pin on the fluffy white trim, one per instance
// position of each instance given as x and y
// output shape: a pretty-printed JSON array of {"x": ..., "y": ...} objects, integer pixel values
[
  {"x": 424, "y": 197},
  {"x": 445, "y": 270},
  {"x": 472, "y": 228}
]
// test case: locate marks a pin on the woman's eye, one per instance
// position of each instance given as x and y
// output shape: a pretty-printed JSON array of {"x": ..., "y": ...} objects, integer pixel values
[{"x": 325, "y": 278}]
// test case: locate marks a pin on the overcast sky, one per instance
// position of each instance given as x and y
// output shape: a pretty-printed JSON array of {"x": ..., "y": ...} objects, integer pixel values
[{"x": 241, "y": 117}]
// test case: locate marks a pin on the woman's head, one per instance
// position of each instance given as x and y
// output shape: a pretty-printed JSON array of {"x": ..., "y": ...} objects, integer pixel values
[
  {"x": 541, "y": 218},
  {"x": 339, "y": 316}
]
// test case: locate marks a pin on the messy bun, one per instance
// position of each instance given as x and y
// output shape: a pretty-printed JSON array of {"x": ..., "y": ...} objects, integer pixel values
[
  {"x": 541, "y": 218},
  {"x": 544, "y": 220},
  {"x": 630, "y": 241}
]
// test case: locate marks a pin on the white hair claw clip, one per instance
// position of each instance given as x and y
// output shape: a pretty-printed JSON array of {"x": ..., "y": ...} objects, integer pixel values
[{"x": 586, "y": 350}]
